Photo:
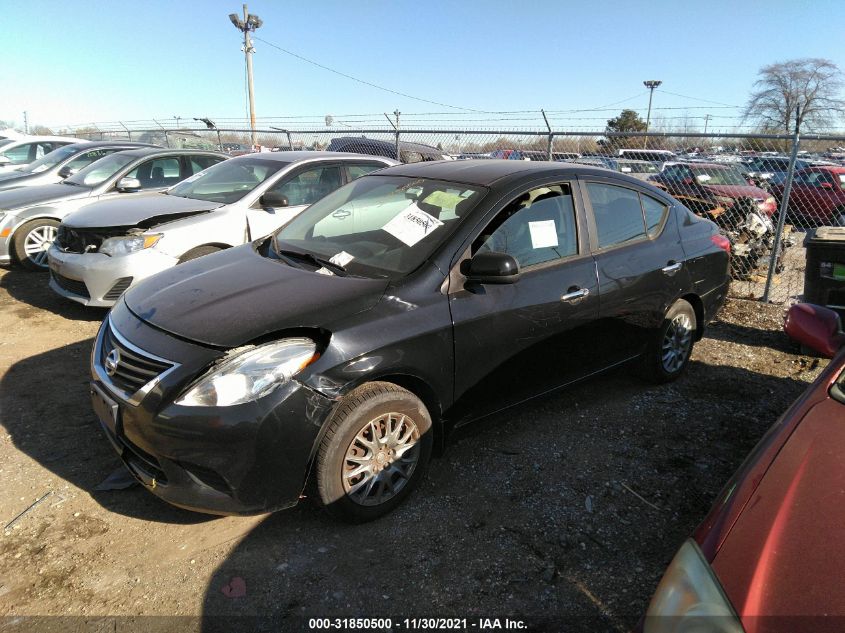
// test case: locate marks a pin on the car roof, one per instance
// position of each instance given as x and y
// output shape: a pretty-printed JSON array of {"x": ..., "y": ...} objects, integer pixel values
[
  {"x": 701, "y": 164},
  {"x": 152, "y": 151},
  {"x": 295, "y": 156},
  {"x": 488, "y": 172},
  {"x": 95, "y": 144},
  {"x": 35, "y": 139}
]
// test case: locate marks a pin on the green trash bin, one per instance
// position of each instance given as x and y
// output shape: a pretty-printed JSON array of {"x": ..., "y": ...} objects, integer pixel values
[{"x": 824, "y": 275}]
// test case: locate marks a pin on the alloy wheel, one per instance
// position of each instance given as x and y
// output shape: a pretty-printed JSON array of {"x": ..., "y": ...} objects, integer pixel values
[
  {"x": 677, "y": 342},
  {"x": 37, "y": 243},
  {"x": 381, "y": 459}
]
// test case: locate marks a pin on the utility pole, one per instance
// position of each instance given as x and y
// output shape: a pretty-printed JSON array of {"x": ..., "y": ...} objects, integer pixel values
[
  {"x": 707, "y": 118},
  {"x": 651, "y": 85},
  {"x": 249, "y": 24},
  {"x": 25, "y": 123}
]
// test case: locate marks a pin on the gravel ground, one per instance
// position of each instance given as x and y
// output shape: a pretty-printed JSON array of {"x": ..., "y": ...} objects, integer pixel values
[{"x": 569, "y": 507}]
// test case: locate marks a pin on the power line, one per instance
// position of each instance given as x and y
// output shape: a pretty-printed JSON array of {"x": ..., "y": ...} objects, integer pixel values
[
  {"x": 675, "y": 94},
  {"x": 362, "y": 81}
]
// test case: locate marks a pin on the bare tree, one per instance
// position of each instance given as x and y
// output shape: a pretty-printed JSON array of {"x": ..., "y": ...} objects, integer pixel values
[{"x": 813, "y": 84}]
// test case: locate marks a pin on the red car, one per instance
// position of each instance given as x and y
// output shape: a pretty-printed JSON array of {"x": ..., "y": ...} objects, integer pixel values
[
  {"x": 770, "y": 556},
  {"x": 707, "y": 187},
  {"x": 817, "y": 196}
]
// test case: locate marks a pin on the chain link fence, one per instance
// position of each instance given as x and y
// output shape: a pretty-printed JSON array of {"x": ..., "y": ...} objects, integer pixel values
[{"x": 755, "y": 187}]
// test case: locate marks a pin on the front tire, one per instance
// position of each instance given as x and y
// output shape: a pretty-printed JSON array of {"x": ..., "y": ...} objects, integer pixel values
[
  {"x": 199, "y": 251},
  {"x": 31, "y": 242},
  {"x": 671, "y": 345},
  {"x": 374, "y": 453}
]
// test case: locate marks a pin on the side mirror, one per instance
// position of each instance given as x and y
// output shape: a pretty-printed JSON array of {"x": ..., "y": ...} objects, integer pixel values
[
  {"x": 67, "y": 171},
  {"x": 274, "y": 199},
  {"x": 5, "y": 160},
  {"x": 128, "y": 185},
  {"x": 816, "y": 327},
  {"x": 491, "y": 267}
]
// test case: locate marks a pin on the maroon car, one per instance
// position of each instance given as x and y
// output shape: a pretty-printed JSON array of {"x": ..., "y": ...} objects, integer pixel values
[
  {"x": 770, "y": 556},
  {"x": 707, "y": 187},
  {"x": 818, "y": 195}
]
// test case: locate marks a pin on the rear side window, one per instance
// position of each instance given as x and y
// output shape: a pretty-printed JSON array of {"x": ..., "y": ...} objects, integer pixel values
[
  {"x": 654, "y": 212},
  {"x": 198, "y": 163},
  {"x": 356, "y": 171},
  {"x": 618, "y": 214},
  {"x": 538, "y": 227}
]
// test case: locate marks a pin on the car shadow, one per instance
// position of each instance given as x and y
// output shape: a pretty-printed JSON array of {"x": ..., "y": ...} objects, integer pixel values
[
  {"x": 47, "y": 413},
  {"x": 564, "y": 510},
  {"x": 34, "y": 293},
  {"x": 747, "y": 335}
]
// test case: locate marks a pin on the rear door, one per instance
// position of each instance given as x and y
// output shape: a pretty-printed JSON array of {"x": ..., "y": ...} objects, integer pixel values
[
  {"x": 514, "y": 341},
  {"x": 639, "y": 260}
]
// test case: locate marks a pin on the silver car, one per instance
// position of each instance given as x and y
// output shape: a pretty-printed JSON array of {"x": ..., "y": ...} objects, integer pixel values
[
  {"x": 109, "y": 246},
  {"x": 25, "y": 149},
  {"x": 63, "y": 162},
  {"x": 30, "y": 216}
]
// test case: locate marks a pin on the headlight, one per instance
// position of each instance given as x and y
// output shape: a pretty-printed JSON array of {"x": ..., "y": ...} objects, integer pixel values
[
  {"x": 724, "y": 200},
  {"x": 690, "y": 599},
  {"x": 125, "y": 245},
  {"x": 252, "y": 374}
]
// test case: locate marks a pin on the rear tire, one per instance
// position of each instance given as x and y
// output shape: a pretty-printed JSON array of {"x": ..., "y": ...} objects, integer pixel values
[
  {"x": 670, "y": 347},
  {"x": 374, "y": 453},
  {"x": 31, "y": 241},
  {"x": 199, "y": 251}
]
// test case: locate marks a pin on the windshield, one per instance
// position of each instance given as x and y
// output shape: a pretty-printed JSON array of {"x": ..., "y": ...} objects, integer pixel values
[
  {"x": 718, "y": 176},
  {"x": 101, "y": 170},
  {"x": 382, "y": 226},
  {"x": 50, "y": 160},
  {"x": 229, "y": 181}
]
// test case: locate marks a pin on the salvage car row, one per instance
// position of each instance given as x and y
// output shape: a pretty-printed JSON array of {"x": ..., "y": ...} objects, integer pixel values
[{"x": 334, "y": 347}]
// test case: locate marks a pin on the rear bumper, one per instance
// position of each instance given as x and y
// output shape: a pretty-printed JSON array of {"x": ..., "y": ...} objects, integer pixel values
[{"x": 98, "y": 280}]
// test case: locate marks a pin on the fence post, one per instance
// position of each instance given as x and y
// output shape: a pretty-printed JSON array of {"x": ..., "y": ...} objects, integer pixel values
[
  {"x": 166, "y": 139},
  {"x": 398, "y": 154},
  {"x": 219, "y": 140},
  {"x": 784, "y": 205},
  {"x": 551, "y": 138},
  {"x": 128, "y": 131}
]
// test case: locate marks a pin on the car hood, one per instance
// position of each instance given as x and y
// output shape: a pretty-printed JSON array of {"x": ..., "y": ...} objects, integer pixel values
[
  {"x": 784, "y": 553},
  {"x": 738, "y": 191},
  {"x": 17, "y": 176},
  {"x": 23, "y": 197},
  {"x": 236, "y": 296},
  {"x": 135, "y": 209}
]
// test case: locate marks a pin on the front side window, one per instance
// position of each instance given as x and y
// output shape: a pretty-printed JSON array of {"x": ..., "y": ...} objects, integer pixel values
[
  {"x": 157, "y": 173},
  {"x": 310, "y": 185},
  {"x": 83, "y": 160},
  {"x": 618, "y": 214},
  {"x": 227, "y": 181},
  {"x": 101, "y": 170},
  {"x": 538, "y": 227}
]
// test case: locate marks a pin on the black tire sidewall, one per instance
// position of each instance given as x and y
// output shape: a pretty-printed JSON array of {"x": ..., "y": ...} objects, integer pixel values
[
  {"x": 358, "y": 409},
  {"x": 199, "y": 251},
  {"x": 19, "y": 242}
]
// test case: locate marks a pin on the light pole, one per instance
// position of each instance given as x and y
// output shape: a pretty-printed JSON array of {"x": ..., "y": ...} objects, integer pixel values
[
  {"x": 651, "y": 84},
  {"x": 249, "y": 24},
  {"x": 707, "y": 118}
]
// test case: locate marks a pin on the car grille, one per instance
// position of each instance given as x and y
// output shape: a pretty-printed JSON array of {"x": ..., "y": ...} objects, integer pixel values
[
  {"x": 128, "y": 368},
  {"x": 73, "y": 286},
  {"x": 72, "y": 240},
  {"x": 118, "y": 289}
]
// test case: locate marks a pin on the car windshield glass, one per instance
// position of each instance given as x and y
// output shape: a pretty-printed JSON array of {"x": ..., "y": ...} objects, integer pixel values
[
  {"x": 101, "y": 170},
  {"x": 229, "y": 181},
  {"x": 50, "y": 160},
  {"x": 718, "y": 176},
  {"x": 379, "y": 226}
]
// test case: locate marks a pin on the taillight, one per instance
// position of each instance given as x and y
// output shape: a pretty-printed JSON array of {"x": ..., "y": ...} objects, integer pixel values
[{"x": 722, "y": 242}]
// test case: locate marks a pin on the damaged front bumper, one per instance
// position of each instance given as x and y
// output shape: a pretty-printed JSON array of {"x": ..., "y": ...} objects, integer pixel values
[{"x": 244, "y": 459}]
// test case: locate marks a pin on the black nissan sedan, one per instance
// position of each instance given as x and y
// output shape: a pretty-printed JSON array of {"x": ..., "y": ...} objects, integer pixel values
[{"x": 341, "y": 350}]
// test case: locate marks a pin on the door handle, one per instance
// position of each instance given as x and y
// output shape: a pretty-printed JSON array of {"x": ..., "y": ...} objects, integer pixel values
[
  {"x": 575, "y": 296},
  {"x": 671, "y": 269}
]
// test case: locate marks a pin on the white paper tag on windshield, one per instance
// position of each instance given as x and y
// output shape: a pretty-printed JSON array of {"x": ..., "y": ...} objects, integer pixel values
[
  {"x": 543, "y": 234},
  {"x": 412, "y": 225},
  {"x": 342, "y": 258},
  {"x": 324, "y": 271}
]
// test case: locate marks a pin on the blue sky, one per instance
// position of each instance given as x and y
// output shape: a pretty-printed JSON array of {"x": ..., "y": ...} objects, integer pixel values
[{"x": 76, "y": 62}]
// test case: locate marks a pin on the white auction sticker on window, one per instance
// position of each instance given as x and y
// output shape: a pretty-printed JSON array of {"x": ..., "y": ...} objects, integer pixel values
[
  {"x": 412, "y": 225},
  {"x": 342, "y": 258},
  {"x": 543, "y": 234}
]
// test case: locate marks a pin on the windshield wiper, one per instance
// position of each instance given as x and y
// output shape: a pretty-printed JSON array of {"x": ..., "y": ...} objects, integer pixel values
[{"x": 313, "y": 259}]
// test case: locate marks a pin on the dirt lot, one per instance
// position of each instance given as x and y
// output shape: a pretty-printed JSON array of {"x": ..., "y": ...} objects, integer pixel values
[{"x": 568, "y": 508}]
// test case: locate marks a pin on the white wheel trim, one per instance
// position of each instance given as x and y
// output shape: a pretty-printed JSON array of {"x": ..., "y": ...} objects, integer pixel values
[{"x": 37, "y": 242}]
